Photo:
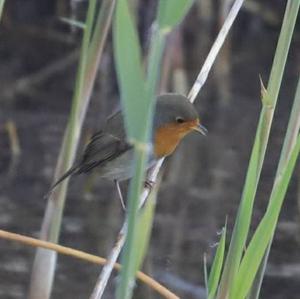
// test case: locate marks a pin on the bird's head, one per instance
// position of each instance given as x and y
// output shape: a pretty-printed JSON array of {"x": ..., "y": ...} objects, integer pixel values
[{"x": 175, "y": 116}]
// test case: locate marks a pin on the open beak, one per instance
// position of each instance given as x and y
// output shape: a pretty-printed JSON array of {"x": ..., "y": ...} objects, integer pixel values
[{"x": 201, "y": 129}]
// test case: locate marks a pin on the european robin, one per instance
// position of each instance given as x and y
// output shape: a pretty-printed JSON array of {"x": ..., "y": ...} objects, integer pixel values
[{"x": 109, "y": 151}]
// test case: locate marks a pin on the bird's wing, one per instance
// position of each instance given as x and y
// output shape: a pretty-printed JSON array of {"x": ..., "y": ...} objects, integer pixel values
[
  {"x": 115, "y": 125},
  {"x": 105, "y": 145}
]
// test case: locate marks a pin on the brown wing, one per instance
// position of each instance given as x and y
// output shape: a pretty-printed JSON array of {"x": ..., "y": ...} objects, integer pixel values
[{"x": 103, "y": 147}]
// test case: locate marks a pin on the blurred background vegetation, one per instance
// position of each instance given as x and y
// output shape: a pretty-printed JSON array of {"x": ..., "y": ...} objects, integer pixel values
[{"x": 202, "y": 180}]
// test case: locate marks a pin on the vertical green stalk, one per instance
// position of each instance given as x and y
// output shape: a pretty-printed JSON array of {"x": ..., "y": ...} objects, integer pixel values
[
  {"x": 1, "y": 7},
  {"x": 138, "y": 96},
  {"x": 269, "y": 101},
  {"x": 216, "y": 268},
  {"x": 289, "y": 143},
  {"x": 141, "y": 156},
  {"x": 97, "y": 45},
  {"x": 292, "y": 131},
  {"x": 72, "y": 133},
  {"x": 44, "y": 263},
  {"x": 124, "y": 290},
  {"x": 127, "y": 54},
  {"x": 156, "y": 51},
  {"x": 265, "y": 230}
]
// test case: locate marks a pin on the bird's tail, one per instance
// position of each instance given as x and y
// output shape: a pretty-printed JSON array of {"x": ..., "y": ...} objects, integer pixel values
[{"x": 71, "y": 171}]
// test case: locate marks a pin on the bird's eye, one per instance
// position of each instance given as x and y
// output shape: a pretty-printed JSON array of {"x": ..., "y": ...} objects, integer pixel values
[{"x": 179, "y": 120}]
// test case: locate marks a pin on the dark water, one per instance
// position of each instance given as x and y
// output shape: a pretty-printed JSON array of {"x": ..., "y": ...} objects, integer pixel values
[{"x": 202, "y": 181}]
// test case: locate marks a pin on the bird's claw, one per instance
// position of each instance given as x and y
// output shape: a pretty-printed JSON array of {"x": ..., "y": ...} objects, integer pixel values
[{"x": 149, "y": 184}]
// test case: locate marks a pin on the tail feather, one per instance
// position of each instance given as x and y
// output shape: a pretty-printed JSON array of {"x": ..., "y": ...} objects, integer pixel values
[{"x": 73, "y": 170}]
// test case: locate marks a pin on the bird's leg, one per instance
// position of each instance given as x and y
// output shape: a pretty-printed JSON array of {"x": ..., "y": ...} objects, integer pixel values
[{"x": 120, "y": 195}]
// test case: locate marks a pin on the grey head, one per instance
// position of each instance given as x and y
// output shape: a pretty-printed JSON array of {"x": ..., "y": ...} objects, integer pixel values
[{"x": 173, "y": 108}]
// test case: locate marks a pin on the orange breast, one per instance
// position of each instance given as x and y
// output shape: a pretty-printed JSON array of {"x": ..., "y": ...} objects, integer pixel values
[{"x": 167, "y": 137}]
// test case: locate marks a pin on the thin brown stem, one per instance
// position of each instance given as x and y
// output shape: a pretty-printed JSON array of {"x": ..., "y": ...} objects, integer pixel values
[{"x": 163, "y": 291}]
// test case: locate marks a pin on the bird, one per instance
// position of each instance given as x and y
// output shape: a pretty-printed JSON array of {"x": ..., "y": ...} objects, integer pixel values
[{"x": 110, "y": 152}]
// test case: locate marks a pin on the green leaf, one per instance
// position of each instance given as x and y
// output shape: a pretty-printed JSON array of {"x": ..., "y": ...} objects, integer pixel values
[
  {"x": 215, "y": 272},
  {"x": 137, "y": 100},
  {"x": 263, "y": 91},
  {"x": 242, "y": 223},
  {"x": 265, "y": 230},
  {"x": 128, "y": 271},
  {"x": 138, "y": 103},
  {"x": 42, "y": 283},
  {"x": 127, "y": 54},
  {"x": 171, "y": 12},
  {"x": 241, "y": 227},
  {"x": 144, "y": 227},
  {"x": 289, "y": 142}
]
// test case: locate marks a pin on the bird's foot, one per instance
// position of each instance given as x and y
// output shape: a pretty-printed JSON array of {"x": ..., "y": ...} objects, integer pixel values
[{"x": 149, "y": 184}]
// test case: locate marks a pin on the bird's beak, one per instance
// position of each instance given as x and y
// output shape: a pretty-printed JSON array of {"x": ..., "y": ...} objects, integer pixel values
[{"x": 201, "y": 129}]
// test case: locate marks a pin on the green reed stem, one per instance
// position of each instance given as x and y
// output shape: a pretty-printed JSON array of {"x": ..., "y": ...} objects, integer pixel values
[{"x": 241, "y": 228}]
